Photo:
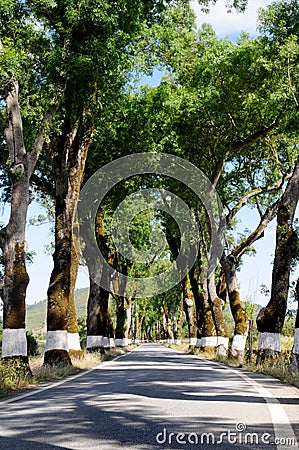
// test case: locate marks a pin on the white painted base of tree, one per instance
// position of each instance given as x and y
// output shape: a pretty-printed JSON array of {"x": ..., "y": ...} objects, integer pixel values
[
  {"x": 192, "y": 341},
  {"x": 57, "y": 340},
  {"x": 94, "y": 342},
  {"x": 123, "y": 342},
  {"x": 295, "y": 353},
  {"x": 212, "y": 341},
  {"x": 269, "y": 341},
  {"x": 177, "y": 342},
  {"x": 296, "y": 342},
  {"x": 108, "y": 342},
  {"x": 239, "y": 342},
  {"x": 14, "y": 342},
  {"x": 74, "y": 341}
]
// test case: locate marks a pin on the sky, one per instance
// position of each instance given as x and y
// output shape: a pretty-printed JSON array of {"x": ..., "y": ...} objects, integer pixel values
[
  {"x": 230, "y": 24},
  {"x": 255, "y": 270}
]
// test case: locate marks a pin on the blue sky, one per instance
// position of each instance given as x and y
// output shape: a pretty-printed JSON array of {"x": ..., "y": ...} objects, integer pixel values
[{"x": 255, "y": 270}]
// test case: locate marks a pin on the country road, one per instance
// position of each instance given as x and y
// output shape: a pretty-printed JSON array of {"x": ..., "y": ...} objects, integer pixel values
[{"x": 151, "y": 398}]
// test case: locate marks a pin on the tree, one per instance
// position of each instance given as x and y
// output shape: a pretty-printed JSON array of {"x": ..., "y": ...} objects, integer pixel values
[
  {"x": 295, "y": 351},
  {"x": 92, "y": 56},
  {"x": 280, "y": 24},
  {"x": 17, "y": 37},
  {"x": 271, "y": 318},
  {"x": 230, "y": 133}
]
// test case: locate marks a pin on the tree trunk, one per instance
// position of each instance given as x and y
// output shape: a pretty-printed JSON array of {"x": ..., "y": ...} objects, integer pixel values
[
  {"x": 201, "y": 304},
  {"x": 124, "y": 322},
  {"x": 188, "y": 306},
  {"x": 295, "y": 350},
  {"x": 74, "y": 346},
  {"x": 100, "y": 332},
  {"x": 167, "y": 329},
  {"x": 69, "y": 156},
  {"x": 216, "y": 303},
  {"x": 12, "y": 237},
  {"x": 271, "y": 318},
  {"x": 237, "y": 350},
  {"x": 121, "y": 316}
]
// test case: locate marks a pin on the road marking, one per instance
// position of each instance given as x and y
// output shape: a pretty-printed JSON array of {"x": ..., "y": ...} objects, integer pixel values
[
  {"x": 280, "y": 420},
  {"x": 281, "y": 423}
]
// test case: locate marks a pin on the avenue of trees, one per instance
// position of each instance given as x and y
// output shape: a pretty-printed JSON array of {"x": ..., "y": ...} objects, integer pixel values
[{"x": 72, "y": 101}]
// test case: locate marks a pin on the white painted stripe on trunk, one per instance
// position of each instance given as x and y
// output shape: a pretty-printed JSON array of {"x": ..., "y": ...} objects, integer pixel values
[
  {"x": 178, "y": 342},
  {"x": 14, "y": 342},
  {"x": 212, "y": 341},
  {"x": 221, "y": 340},
  {"x": 74, "y": 341},
  {"x": 296, "y": 341},
  {"x": 209, "y": 341},
  {"x": 269, "y": 341},
  {"x": 192, "y": 341},
  {"x": 122, "y": 342},
  {"x": 57, "y": 340},
  {"x": 94, "y": 341},
  {"x": 111, "y": 342},
  {"x": 239, "y": 342},
  {"x": 108, "y": 342}
]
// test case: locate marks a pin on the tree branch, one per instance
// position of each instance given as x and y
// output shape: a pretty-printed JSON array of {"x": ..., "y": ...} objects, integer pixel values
[
  {"x": 269, "y": 215},
  {"x": 255, "y": 136},
  {"x": 243, "y": 201},
  {"x": 43, "y": 184},
  {"x": 43, "y": 131}
]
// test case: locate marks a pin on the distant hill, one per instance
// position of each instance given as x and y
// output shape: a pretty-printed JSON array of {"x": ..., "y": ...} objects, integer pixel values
[{"x": 36, "y": 314}]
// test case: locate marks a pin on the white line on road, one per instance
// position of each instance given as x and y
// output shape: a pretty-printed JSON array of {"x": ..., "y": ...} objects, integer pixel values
[{"x": 283, "y": 429}]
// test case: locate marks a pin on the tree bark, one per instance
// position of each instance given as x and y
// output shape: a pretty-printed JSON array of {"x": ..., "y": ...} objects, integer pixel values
[
  {"x": 217, "y": 304},
  {"x": 100, "y": 331},
  {"x": 271, "y": 318},
  {"x": 230, "y": 263},
  {"x": 295, "y": 350},
  {"x": 189, "y": 309},
  {"x": 69, "y": 157},
  {"x": 12, "y": 236},
  {"x": 237, "y": 349},
  {"x": 167, "y": 328}
]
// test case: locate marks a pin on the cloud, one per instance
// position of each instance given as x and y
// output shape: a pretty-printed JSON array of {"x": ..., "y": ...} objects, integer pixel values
[{"x": 230, "y": 24}]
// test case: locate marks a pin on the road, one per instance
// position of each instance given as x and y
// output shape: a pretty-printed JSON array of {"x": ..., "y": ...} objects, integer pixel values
[{"x": 151, "y": 398}]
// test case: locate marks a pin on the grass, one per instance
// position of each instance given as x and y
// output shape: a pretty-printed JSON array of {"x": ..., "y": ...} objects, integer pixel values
[{"x": 15, "y": 377}]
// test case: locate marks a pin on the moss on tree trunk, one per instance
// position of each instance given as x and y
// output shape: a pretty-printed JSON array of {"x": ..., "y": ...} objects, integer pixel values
[
  {"x": 69, "y": 153},
  {"x": 271, "y": 318}
]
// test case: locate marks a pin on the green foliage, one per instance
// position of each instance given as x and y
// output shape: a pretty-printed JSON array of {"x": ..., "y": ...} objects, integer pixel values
[
  {"x": 82, "y": 329},
  {"x": 32, "y": 344},
  {"x": 13, "y": 374},
  {"x": 280, "y": 20},
  {"x": 289, "y": 324}
]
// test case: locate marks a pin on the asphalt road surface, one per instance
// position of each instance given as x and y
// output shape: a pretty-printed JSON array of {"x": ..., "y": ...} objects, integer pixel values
[{"x": 151, "y": 398}]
